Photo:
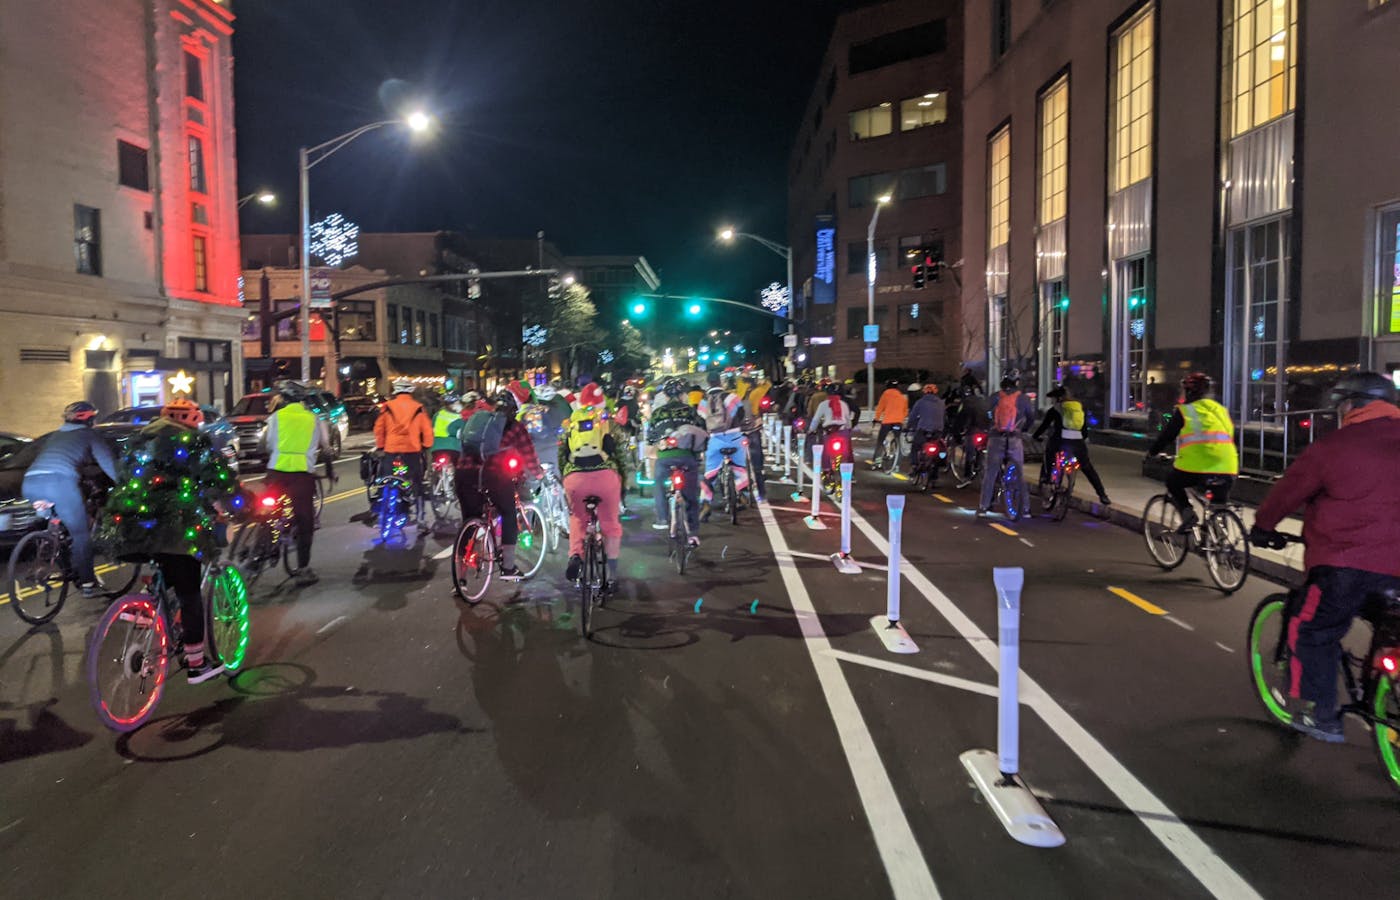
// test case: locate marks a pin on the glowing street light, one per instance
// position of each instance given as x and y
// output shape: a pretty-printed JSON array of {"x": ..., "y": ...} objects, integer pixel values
[
  {"x": 729, "y": 233},
  {"x": 419, "y": 121},
  {"x": 266, "y": 198}
]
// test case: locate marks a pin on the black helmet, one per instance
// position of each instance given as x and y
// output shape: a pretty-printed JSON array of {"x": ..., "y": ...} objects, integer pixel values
[
  {"x": 1009, "y": 382},
  {"x": 81, "y": 411},
  {"x": 893, "y": 383},
  {"x": 1056, "y": 392},
  {"x": 505, "y": 401},
  {"x": 673, "y": 388},
  {"x": 1196, "y": 385},
  {"x": 1362, "y": 388}
]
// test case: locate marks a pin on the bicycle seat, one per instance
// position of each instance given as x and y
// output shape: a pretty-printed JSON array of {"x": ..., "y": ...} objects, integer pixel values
[
  {"x": 729, "y": 451},
  {"x": 591, "y": 502}
]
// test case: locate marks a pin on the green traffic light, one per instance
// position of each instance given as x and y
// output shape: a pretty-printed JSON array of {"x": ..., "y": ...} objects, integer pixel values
[
  {"x": 639, "y": 309},
  {"x": 693, "y": 309}
]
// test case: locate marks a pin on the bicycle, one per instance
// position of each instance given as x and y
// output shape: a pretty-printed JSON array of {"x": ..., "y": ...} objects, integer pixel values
[
  {"x": 888, "y": 455},
  {"x": 726, "y": 484},
  {"x": 40, "y": 571},
  {"x": 442, "y": 490},
  {"x": 397, "y": 497},
  {"x": 1219, "y": 534},
  {"x": 1055, "y": 494},
  {"x": 593, "y": 585},
  {"x": 930, "y": 455},
  {"x": 129, "y": 657},
  {"x": 476, "y": 553},
  {"x": 267, "y": 538},
  {"x": 1371, "y": 683},
  {"x": 832, "y": 455},
  {"x": 553, "y": 506},
  {"x": 1010, "y": 486},
  {"x": 972, "y": 454},
  {"x": 680, "y": 549}
]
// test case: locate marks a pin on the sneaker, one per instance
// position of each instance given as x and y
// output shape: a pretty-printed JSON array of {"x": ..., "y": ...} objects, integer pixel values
[
  {"x": 693, "y": 542},
  {"x": 203, "y": 672},
  {"x": 575, "y": 566},
  {"x": 91, "y": 589},
  {"x": 306, "y": 577},
  {"x": 981, "y": 513},
  {"x": 512, "y": 574},
  {"x": 1327, "y": 730},
  {"x": 660, "y": 526},
  {"x": 1104, "y": 501}
]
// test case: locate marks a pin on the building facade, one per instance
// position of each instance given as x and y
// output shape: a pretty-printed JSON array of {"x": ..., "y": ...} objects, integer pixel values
[
  {"x": 1154, "y": 188},
  {"x": 884, "y": 119},
  {"x": 118, "y": 206},
  {"x": 613, "y": 280}
]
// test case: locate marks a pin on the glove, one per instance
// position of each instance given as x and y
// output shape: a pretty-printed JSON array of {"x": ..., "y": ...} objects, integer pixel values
[{"x": 1272, "y": 540}]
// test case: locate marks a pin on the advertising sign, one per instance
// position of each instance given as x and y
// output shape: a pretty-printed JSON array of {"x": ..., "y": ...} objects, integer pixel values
[{"x": 824, "y": 276}]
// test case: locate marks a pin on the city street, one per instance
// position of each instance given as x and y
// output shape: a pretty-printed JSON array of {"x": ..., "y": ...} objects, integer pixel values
[{"x": 738, "y": 731}]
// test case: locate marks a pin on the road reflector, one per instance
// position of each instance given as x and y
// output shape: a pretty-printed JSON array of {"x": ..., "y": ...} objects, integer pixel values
[{"x": 1135, "y": 600}]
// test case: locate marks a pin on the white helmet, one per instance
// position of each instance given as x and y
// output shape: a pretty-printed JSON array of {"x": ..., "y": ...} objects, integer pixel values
[
  {"x": 915, "y": 387},
  {"x": 403, "y": 386},
  {"x": 544, "y": 393}
]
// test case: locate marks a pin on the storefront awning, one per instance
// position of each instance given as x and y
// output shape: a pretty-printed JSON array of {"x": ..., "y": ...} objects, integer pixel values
[{"x": 424, "y": 368}]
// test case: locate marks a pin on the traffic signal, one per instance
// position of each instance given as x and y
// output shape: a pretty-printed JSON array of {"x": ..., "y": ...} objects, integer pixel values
[
  {"x": 920, "y": 274},
  {"x": 640, "y": 308},
  {"x": 935, "y": 268},
  {"x": 693, "y": 310}
]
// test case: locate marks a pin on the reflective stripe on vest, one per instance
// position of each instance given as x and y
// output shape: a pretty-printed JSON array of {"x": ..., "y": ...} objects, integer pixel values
[
  {"x": 1207, "y": 440},
  {"x": 296, "y": 426},
  {"x": 443, "y": 421}
]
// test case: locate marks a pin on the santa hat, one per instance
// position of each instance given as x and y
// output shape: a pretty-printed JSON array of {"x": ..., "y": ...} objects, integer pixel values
[
  {"x": 591, "y": 395},
  {"x": 522, "y": 392}
]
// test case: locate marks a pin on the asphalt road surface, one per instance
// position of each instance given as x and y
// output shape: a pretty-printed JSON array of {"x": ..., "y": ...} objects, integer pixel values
[{"x": 738, "y": 731}]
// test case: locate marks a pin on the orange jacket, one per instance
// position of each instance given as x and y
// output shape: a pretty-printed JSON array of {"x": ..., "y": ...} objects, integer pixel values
[
  {"x": 403, "y": 426},
  {"x": 893, "y": 407}
]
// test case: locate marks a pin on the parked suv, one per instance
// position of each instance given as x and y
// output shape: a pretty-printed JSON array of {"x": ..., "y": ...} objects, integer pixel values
[{"x": 249, "y": 419}]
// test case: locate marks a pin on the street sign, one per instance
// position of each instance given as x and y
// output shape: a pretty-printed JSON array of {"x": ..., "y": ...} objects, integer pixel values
[
  {"x": 320, "y": 288},
  {"x": 789, "y": 340},
  {"x": 822, "y": 339},
  {"x": 869, "y": 355},
  {"x": 872, "y": 333}
]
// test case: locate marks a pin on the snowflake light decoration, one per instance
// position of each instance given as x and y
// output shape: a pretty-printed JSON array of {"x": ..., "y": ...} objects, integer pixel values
[
  {"x": 335, "y": 239},
  {"x": 535, "y": 335},
  {"x": 1137, "y": 328},
  {"x": 606, "y": 357},
  {"x": 774, "y": 297}
]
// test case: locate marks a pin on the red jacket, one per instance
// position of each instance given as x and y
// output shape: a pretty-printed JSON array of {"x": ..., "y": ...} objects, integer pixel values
[{"x": 1350, "y": 481}]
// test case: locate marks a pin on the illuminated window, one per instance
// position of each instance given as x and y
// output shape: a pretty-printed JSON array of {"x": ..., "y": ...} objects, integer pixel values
[
  {"x": 197, "y": 182},
  {"x": 1261, "y": 55},
  {"x": 201, "y": 263},
  {"x": 929, "y": 109},
  {"x": 1388, "y": 270},
  {"x": 872, "y": 122},
  {"x": 87, "y": 239},
  {"x": 419, "y": 327},
  {"x": 194, "y": 76},
  {"x": 1131, "y": 151},
  {"x": 1054, "y": 152},
  {"x": 999, "y": 188}
]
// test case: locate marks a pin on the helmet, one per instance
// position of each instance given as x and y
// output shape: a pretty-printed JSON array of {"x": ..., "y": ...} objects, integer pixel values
[
  {"x": 914, "y": 387},
  {"x": 1196, "y": 385},
  {"x": 1362, "y": 388},
  {"x": 892, "y": 383},
  {"x": 471, "y": 399},
  {"x": 505, "y": 401},
  {"x": 450, "y": 398},
  {"x": 591, "y": 395},
  {"x": 1056, "y": 392},
  {"x": 955, "y": 394},
  {"x": 81, "y": 411},
  {"x": 403, "y": 386},
  {"x": 673, "y": 388},
  {"x": 183, "y": 411},
  {"x": 545, "y": 393},
  {"x": 930, "y": 389},
  {"x": 1009, "y": 382}
]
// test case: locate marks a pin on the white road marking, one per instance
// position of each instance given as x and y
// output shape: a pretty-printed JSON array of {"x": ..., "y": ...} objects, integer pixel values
[
  {"x": 1223, "y": 647},
  {"x": 952, "y": 681},
  {"x": 1027, "y": 543},
  {"x": 331, "y": 624},
  {"x": 904, "y": 862},
  {"x": 443, "y": 553},
  {"x": 826, "y": 558},
  {"x": 1183, "y": 843},
  {"x": 1180, "y": 624}
]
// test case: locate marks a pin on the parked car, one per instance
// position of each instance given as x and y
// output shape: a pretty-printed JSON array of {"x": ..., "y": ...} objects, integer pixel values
[
  {"x": 249, "y": 419},
  {"x": 11, "y": 442},
  {"x": 362, "y": 410},
  {"x": 216, "y": 426}
]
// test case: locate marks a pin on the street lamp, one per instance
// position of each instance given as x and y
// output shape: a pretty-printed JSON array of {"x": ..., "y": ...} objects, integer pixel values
[
  {"x": 266, "y": 198},
  {"x": 417, "y": 121},
  {"x": 728, "y": 235},
  {"x": 880, "y": 203}
]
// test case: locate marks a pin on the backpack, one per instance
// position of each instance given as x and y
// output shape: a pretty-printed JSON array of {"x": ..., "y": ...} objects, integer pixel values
[
  {"x": 481, "y": 435},
  {"x": 1007, "y": 412},
  {"x": 586, "y": 432}
]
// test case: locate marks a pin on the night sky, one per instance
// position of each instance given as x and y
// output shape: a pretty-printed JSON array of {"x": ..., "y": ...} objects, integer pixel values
[{"x": 616, "y": 126}]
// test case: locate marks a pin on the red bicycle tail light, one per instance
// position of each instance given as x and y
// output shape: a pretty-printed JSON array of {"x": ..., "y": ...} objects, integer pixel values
[
  {"x": 1305, "y": 423},
  {"x": 269, "y": 501},
  {"x": 513, "y": 463},
  {"x": 931, "y": 448},
  {"x": 677, "y": 480},
  {"x": 1390, "y": 662},
  {"x": 835, "y": 446},
  {"x": 979, "y": 439}
]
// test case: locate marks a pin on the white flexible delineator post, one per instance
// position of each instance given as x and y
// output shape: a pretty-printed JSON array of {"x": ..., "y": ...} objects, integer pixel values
[
  {"x": 843, "y": 562},
  {"x": 787, "y": 450},
  {"x": 887, "y": 627},
  {"x": 814, "y": 521},
  {"x": 997, "y": 774}
]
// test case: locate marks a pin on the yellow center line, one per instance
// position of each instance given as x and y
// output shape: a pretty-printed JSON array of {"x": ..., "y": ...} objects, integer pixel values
[
  {"x": 943, "y": 498},
  {"x": 1135, "y": 600},
  {"x": 901, "y": 476},
  {"x": 1003, "y": 529},
  {"x": 343, "y": 494}
]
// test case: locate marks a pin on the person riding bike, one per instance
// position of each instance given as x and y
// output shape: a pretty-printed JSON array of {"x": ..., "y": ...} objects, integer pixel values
[
  {"x": 491, "y": 441},
  {"x": 678, "y": 433},
  {"x": 403, "y": 430},
  {"x": 55, "y": 477},
  {"x": 164, "y": 511},
  {"x": 1348, "y": 487},
  {"x": 757, "y": 400},
  {"x": 835, "y": 413},
  {"x": 927, "y": 420},
  {"x": 296, "y": 440},
  {"x": 1205, "y": 446},
  {"x": 593, "y": 465},
  {"x": 1012, "y": 416},
  {"x": 447, "y": 428},
  {"x": 725, "y": 415},
  {"x": 891, "y": 410},
  {"x": 1064, "y": 425}
]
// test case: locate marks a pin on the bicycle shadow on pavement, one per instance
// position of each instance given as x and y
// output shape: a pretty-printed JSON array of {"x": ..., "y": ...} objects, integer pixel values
[{"x": 29, "y": 726}]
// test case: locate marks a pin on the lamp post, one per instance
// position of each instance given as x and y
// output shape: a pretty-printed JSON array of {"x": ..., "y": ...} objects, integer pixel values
[
  {"x": 266, "y": 198},
  {"x": 728, "y": 235},
  {"x": 870, "y": 296},
  {"x": 308, "y": 157}
]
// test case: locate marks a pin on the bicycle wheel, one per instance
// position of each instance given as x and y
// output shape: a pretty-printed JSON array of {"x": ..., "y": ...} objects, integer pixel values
[
  {"x": 586, "y": 592},
  {"x": 1387, "y": 726},
  {"x": 1063, "y": 492},
  {"x": 38, "y": 585},
  {"x": 248, "y": 550},
  {"x": 286, "y": 548},
  {"x": 1160, "y": 521},
  {"x": 226, "y": 613},
  {"x": 1269, "y": 659},
  {"x": 442, "y": 498},
  {"x": 127, "y": 662},
  {"x": 320, "y": 499},
  {"x": 117, "y": 576},
  {"x": 531, "y": 543},
  {"x": 473, "y": 557},
  {"x": 1011, "y": 490},
  {"x": 679, "y": 533},
  {"x": 731, "y": 497},
  {"x": 1227, "y": 550},
  {"x": 891, "y": 453}
]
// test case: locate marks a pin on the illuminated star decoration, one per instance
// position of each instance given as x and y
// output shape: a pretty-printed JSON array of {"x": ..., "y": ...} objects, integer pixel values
[
  {"x": 535, "y": 335},
  {"x": 180, "y": 383},
  {"x": 335, "y": 239},
  {"x": 774, "y": 297}
]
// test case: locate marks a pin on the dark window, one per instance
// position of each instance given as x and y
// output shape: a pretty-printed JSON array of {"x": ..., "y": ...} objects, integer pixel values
[
  {"x": 194, "y": 76},
  {"x": 927, "y": 181},
  {"x": 1001, "y": 28},
  {"x": 857, "y": 255},
  {"x": 856, "y": 321},
  {"x": 132, "y": 170},
  {"x": 393, "y": 335},
  {"x": 911, "y": 245},
  {"x": 197, "y": 166},
  {"x": 898, "y": 46},
  {"x": 924, "y": 317},
  {"x": 863, "y": 189},
  {"x": 433, "y": 330},
  {"x": 87, "y": 239},
  {"x": 201, "y": 263}
]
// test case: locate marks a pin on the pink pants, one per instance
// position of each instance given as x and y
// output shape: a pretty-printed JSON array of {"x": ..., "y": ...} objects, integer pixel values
[{"x": 607, "y": 487}]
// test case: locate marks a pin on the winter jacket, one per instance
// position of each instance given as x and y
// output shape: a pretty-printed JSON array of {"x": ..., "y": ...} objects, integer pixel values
[
  {"x": 927, "y": 415},
  {"x": 403, "y": 426},
  {"x": 893, "y": 407}
]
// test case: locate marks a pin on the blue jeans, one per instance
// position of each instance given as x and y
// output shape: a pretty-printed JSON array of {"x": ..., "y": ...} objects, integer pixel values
[
  {"x": 690, "y": 491},
  {"x": 62, "y": 491}
]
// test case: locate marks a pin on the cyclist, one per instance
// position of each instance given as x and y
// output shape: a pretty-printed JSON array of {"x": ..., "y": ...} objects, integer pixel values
[
  {"x": 1012, "y": 416},
  {"x": 1351, "y": 525},
  {"x": 491, "y": 441},
  {"x": 55, "y": 477},
  {"x": 593, "y": 465},
  {"x": 402, "y": 430},
  {"x": 675, "y": 420},
  {"x": 926, "y": 421},
  {"x": 1205, "y": 446},
  {"x": 757, "y": 400},
  {"x": 835, "y": 412},
  {"x": 891, "y": 410},
  {"x": 447, "y": 428},
  {"x": 182, "y": 478},
  {"x": 1064, "y": 425},
  {"x": 725, "y": 416},
  {"x": 296, "y": 439}
]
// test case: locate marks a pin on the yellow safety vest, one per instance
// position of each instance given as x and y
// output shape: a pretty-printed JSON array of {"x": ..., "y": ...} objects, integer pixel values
[
  {"x": 1207, "y": 440},
  {"x": 441, "y": 422},
  {"x": 1072, "y": 417},
  {"x": 296, "y": 427}
]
